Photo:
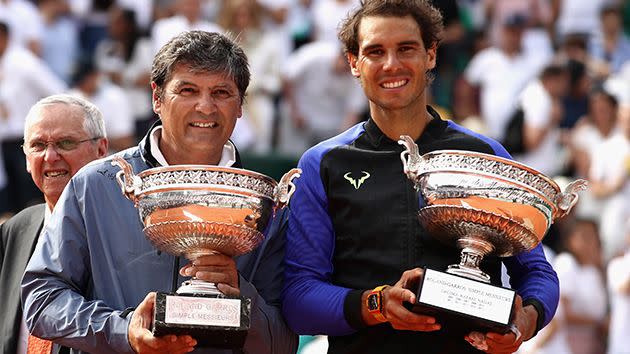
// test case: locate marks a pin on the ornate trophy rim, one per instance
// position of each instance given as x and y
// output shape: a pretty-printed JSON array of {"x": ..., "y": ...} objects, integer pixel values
[
  {"x": 549, "y": 195},
  {"x": 200, "y": 177},
  {"x": 179, "y": 168}
]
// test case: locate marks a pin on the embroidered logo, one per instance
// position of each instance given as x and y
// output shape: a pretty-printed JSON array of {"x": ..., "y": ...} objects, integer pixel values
[{"x": 356, "y": 184}]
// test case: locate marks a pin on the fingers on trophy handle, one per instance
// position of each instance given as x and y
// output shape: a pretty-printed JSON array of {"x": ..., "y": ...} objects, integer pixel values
[
  {"x": 286, "y": 188},
  {"x": 410, "y": 157},
  {"x": 567, "y": 199},
  {"x": 127, "y": 181}
]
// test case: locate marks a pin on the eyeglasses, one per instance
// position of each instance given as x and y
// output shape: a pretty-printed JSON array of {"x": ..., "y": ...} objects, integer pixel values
[{"x": 60, "y": 146}]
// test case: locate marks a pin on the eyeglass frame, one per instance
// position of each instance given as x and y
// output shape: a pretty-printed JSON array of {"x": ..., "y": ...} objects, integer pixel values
[{"x": 55, "y": 145}]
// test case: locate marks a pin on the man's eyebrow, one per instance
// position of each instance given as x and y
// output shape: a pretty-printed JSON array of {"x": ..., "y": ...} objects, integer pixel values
[
  {"x": 399, "y": 44},
  {"x": 371, "y": 46},
  {"x": 180, "y": 83},
  {"x": 411, "y": 42}
]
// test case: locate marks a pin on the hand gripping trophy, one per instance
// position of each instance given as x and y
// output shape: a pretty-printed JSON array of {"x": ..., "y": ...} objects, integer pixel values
[
  {"x": 196, "y": 210},
  {"x": 484, "y": 205}
]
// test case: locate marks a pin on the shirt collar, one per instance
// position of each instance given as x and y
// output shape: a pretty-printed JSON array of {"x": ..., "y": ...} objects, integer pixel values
[
  {"x": 376, "y": 136},
  {"x": 228, "y": 156}
]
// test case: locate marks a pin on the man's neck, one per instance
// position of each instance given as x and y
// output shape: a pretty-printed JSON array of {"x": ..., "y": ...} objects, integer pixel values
[
  {"x": 174, "y": 157},
  {"x": 393, "y": 124}
]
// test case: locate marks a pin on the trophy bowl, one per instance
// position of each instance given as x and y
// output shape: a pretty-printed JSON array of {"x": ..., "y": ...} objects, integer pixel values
[
  {"x": 197, "y": 210},
  {"x": 484, "y": 204}
]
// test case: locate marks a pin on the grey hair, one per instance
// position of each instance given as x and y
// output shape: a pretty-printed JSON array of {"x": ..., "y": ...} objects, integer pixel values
[
  {"x": 93, "y": 122},
  {"x": 203, "y": 52}
]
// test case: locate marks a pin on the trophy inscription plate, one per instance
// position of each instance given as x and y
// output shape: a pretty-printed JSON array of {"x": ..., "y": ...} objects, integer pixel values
[
  {"x": 218, "y": 322},
  {"x": 484, "y": 306}
]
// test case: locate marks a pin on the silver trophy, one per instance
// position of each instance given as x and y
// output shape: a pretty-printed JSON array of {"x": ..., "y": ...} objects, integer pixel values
[
  {"x": 196, "y": 210},
  {"x": 484, "y": 205}
]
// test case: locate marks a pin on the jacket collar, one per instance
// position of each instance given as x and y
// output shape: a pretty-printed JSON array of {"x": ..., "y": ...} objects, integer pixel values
[{"x": 434, "y": 129}]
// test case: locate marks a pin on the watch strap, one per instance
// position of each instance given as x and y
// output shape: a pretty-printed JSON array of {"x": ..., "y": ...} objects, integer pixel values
[{"x": 377, "y": 294}]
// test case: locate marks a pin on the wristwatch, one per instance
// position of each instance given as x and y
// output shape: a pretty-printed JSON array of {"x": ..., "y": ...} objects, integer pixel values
[{"x": 375, "y": 304}]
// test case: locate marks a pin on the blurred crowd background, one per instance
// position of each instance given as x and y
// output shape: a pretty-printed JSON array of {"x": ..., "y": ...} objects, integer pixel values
[{"x": 550, "y": 79}]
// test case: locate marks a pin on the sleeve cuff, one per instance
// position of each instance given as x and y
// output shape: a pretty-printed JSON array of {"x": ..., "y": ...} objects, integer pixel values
[
  {"x": 541, "y": 314},
  {"x": 352, "y": 309}
]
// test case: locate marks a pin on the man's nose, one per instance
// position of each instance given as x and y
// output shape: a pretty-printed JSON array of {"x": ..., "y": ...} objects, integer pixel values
[
  {"x": 206, "y": 104},
  {"x": 391, "y": 61},
  {"x": 51, "y": 153}
]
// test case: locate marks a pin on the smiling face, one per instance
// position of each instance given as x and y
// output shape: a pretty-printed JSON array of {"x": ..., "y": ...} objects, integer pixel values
[
  {"x": 198, "y": 112},
  {"x": 392, "y": 63},
  {"x": 52, "y": 169}
]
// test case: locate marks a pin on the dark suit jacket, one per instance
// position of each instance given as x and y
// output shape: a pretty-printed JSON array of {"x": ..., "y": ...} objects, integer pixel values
[{"x": 18, "y": 239}]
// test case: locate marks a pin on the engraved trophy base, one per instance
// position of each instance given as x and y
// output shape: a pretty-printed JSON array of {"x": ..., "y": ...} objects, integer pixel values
[
  {"x": 213, "y": 320},
  {"x": 462, "y": 305}
]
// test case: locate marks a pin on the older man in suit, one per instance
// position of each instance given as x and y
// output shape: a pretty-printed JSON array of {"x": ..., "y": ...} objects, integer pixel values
[{"x": 62, "y": 134}]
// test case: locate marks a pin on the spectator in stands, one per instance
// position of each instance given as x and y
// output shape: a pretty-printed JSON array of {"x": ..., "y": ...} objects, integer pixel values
[
  {"x": 25, "y": 24},
  {"x": 541, "y": 103},
  {"x": 264, "y": 52},
  {"x": 511, "y": 69},
  {"x": 610, "y": 182},
  {"x": 582, "y": 290},
  {"x": 124, "y": 58},
  {"x": 610, "y": 45},
  {"x": 60, "y": 40},
  {"x": 322, "y": 96},
  {"x": 24, "y": 79},
  {"x": 110, "y": 100},
  {"x": 187, "y": 17},
  {"x": 618, "y": 273}
]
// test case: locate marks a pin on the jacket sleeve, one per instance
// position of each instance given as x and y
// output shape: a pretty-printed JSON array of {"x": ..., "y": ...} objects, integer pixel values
[
  {"x": 54, "y": 284},
  {"x": 310, "y": 303},
  {"x": 536, "y": 282},
  {"x": 269, "y": 332}
]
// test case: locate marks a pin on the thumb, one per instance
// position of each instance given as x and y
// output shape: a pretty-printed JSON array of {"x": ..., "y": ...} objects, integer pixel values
[{"x": 145, "y": 309}]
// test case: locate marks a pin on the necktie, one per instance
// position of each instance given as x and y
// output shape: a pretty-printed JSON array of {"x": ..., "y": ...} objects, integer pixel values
[{"x": 38, "y": 346}]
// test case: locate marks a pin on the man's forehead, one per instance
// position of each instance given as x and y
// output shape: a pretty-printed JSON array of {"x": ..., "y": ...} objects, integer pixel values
[
  {"x": 378, "y": 30},
  {"x": 185, "y": 76},
  {"x": 59, "y": 118}
]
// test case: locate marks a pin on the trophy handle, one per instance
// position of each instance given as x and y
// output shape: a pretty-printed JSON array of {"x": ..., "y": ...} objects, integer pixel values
[
  {"x": 128, "y": 182},
  {"x": 411, "y": 159},
  {"x": 567, "y": 199},
  {"x": 285, "y": 188}
]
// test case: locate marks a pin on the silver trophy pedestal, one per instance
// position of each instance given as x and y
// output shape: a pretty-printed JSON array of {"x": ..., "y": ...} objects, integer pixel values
[{"x": 196, "y": 286}]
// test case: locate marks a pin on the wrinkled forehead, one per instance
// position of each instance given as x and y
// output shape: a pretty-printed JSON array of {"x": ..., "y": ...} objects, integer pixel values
[
  {"x": 55, "y": 121},
  {"x": 184, "y": 70}
]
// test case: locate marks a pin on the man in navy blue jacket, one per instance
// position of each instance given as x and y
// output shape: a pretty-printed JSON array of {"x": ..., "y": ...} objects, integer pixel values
[{"x": 354, "y": 226}]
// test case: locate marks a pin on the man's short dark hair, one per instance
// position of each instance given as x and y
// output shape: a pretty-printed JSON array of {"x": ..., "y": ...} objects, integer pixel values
[
  {"x": 427, "y": 17},
  {"x": 202, "y": 51}
]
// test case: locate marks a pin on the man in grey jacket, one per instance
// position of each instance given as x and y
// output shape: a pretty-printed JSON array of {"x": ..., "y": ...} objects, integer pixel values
[{"x": 93, "y": 261}]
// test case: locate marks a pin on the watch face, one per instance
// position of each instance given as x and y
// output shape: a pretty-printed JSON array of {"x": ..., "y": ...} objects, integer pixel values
[{"x": 372, "y": 302}]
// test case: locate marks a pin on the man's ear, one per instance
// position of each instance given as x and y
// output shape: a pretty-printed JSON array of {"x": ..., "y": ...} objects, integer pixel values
[
  {"x": 103, "y": 146},
  {"x": 156, "y": 101},
  {"x": 432, "y": 56},
  {"x": 352, "y": 60}
]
